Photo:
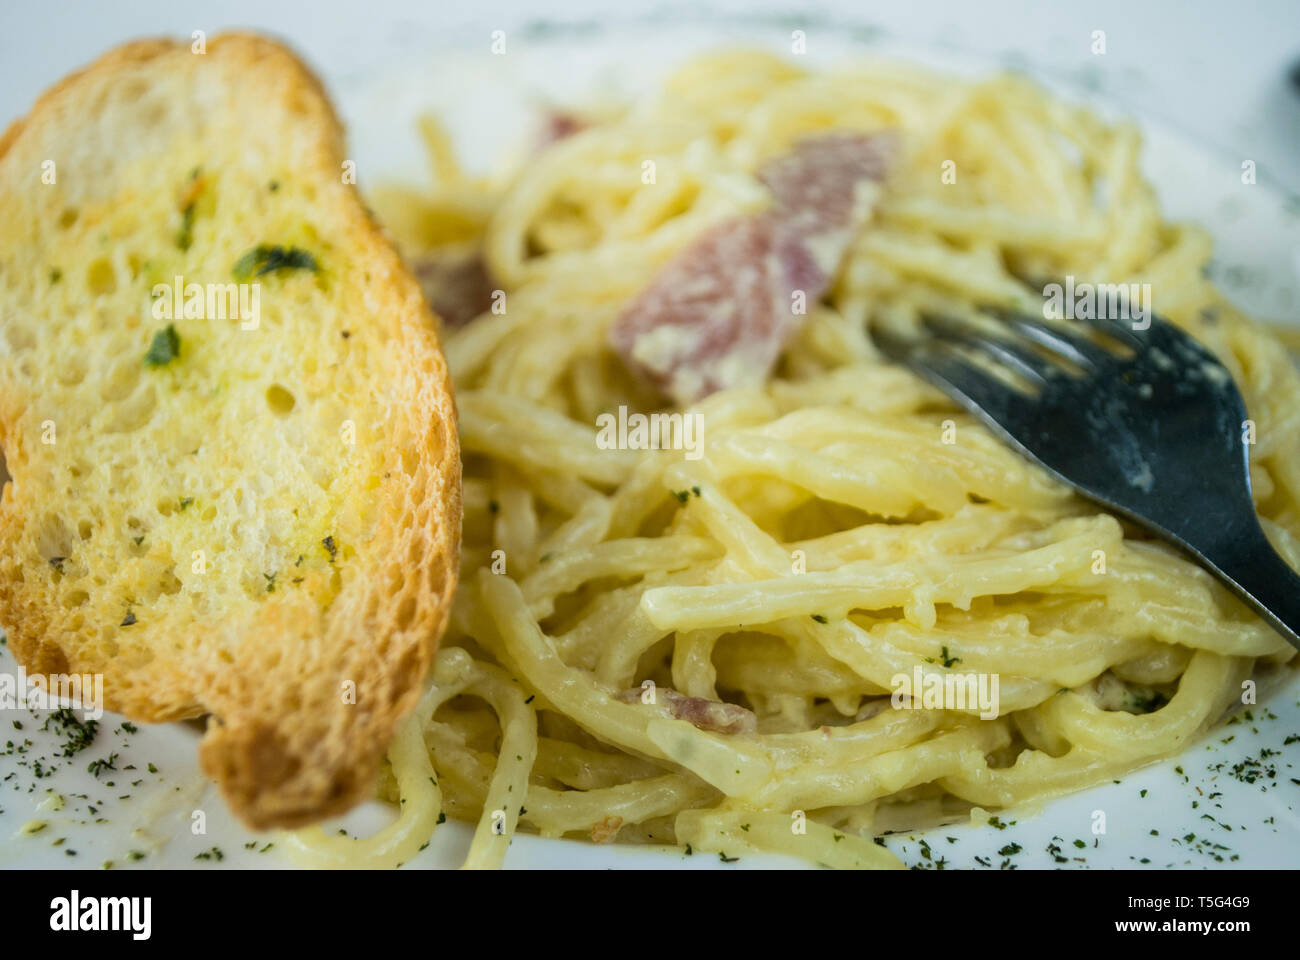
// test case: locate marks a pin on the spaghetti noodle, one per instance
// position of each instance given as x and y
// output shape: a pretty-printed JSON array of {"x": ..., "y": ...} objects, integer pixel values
[{"x": 648, "y": 647}]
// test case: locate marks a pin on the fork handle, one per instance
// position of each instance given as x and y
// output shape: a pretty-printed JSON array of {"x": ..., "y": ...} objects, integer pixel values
[{"x": 1249, "y": 565}]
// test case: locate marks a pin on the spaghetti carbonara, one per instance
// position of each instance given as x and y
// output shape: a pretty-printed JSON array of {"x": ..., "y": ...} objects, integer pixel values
[{"x": 821, "y": 605}]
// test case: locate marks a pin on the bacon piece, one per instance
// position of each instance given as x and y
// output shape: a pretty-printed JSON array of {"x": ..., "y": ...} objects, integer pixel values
[
  {"x": 720, "y": 312},
  {"x": 456, "y": 284},
  {"x": 817, "y": 185},
  {"x": 712, "y": 715},
  {"x": 605, "y": 830},
  {"x": 715, "y": 316},
  {"x": 559, "y": 125}
]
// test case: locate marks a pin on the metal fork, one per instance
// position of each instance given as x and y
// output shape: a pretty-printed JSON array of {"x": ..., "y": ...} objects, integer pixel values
[{"x": 1158, "y": 435}]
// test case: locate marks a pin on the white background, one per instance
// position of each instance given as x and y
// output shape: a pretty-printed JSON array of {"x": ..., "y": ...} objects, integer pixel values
[{"x": 1216, "y": 71}]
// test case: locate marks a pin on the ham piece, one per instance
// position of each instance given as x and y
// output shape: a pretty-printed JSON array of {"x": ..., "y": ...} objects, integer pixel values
[{"x": 720, "y": 312}]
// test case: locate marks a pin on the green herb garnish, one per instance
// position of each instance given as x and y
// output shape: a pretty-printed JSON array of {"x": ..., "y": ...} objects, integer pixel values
[
  {"x": 165, "y": 348},
  {"x": 99, "y": 766},
  {"x": 79, "y": 734},
  {"x": 267, "y": 258},
  {"x": 185, "y": 238}
]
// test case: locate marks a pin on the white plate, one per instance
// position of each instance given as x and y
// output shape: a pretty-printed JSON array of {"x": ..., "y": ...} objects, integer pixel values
[{"x": 1229, "y": 801}]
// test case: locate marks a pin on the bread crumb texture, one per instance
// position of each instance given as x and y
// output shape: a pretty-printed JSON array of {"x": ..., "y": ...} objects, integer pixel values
[{"x": 256, "y": 522}]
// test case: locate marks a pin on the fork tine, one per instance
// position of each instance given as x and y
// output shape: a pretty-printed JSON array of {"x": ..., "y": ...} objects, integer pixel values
[
  {"x": 1115, "y": 329},
  {"x": 1078, "y": 350},
  {"x": 947, "y": 371},
  {"x": 1023, "y": 361}
]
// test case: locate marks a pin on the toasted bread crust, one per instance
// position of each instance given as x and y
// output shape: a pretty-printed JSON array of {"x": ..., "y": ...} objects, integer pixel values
[{"x": 303, "y": 698}]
